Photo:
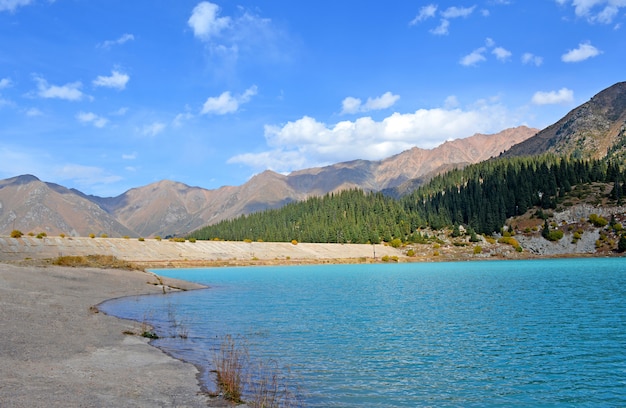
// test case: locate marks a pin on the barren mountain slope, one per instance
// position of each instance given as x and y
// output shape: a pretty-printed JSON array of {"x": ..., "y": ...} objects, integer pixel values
[
  {"x": 588, "y": 131},
  {"x": 30, "y": 205}
]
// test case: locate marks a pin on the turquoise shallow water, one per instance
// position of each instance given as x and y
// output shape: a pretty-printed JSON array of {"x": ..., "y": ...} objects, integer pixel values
[{"x": 494, "y": 333}]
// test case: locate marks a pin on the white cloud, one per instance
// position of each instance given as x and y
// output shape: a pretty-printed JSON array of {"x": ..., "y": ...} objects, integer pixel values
[
  {"x": 205, "y": 22},
  {"x": 90, "y": 117},
  {"x": 562, "y": 96},
  {"x": 12, "y": 5},
  {"x": 182, "y": 117},
  {"x": 117, "y": 80},
  {"x": 70, "y": 92},
  {"x": 5, "y": 83},
  {"x": 32, "y": 112},
  {"x": 529, "y": 58},
  {"x": 84, "y": 175},
  {"x": 308, "y": 143},
  {"x": 474, "y": 57},
  {"x": 226, "y": 103},
  {"x": 425, "y": 12},
  {"x": 131, "y": 156},
  {"x": 354, "y": 105},
  {"x": 121, "y": 111},
  {"x": 583, "y": 52},
  {"x": 600, "y": 11},
  {"x": 123, "y": 39},
  {"x": 501, "y": 54},
  {"x": 153, "y": 129},
  {"x": 442, "y": 28},
  {"x": 455, "y": 12}
]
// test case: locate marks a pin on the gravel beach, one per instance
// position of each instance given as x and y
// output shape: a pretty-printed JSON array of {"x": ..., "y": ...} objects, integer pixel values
[{"x": 59, "y": 351}]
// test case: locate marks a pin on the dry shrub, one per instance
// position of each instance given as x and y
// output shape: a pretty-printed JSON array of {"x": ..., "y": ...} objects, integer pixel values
[
  {"x": 93, "y": 261},
  {"x": 230, "y": 362},
  {"x": 263, "y": 384}
]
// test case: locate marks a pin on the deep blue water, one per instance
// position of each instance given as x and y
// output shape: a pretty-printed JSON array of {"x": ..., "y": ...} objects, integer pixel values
[{"x": 494, "y": 333}]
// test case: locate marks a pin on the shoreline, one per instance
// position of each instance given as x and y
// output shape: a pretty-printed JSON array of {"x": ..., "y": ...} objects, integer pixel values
[{"x": 60, "y": 351}]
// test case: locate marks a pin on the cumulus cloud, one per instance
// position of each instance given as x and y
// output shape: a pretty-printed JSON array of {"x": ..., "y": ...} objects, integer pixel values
[
  {"x": 455, "y": 12},
  {"x": 474, "y": 57},
  {"x": 583, "y": 52},
  {"x": 502, "y": 54},
  {"x": 90, "y": 117},
  {"x": 69, "y": 92},
  {"x": 5, "y": 83},
  {"x": 153, "y": 129},
  {"x": 446, "y": 15},
  {"x": 442, "y": 28},
  {"x": 307, "y": 142},
  {"x": 562, "y": 96},
  {"x": 117, "y": 80},
  {"x": 354, "y": 105},
  {"x": 123, "y": 39},
  {"x": 204, "y": 21},
  {"x": 227, "y": 103},
  {"x": 596, "y": 11},
  {"x": 478, "y": 55},
  {"x": 425, "y": 13},
  {"x": 12, "y": 5},
  {"x": 529, "y": 58}
]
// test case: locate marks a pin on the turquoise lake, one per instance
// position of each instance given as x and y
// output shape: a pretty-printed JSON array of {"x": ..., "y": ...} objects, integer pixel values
[{"x": 460, "y": 334}]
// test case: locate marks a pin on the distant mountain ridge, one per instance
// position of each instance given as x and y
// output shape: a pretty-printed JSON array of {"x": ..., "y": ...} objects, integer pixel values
[{"x": 173, "y": 208}]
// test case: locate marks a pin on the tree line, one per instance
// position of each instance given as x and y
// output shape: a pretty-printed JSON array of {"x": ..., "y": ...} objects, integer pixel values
[{"x": 480, "y": 197}]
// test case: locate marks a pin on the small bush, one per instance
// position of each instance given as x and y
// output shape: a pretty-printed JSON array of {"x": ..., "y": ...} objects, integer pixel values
[
  {"x": 598, "y": 220},
  {"x": 104, "y": 235},
  {"x": 410, "y": 252},
  {"x": 141, "y": 239},
  {"x": 396, "y": 243},
  {"x": 478, "y": 250},
  {"x": 41, "y": 235},
  {"x": 192, "y": 240},
  {"x": 92, "y": 235},
  {"x": 554, "y": 235},
  {"x": 509, "y": 241},
  {"x": 247, "y": 240},
  {"x": 16, "y": 234},
  {"x": 62, "y": 235},
  {"x": 158, "y": 237},
  {"x": 385, "y": 258},
  {"x": 126, "y": 237},
  {"x": 294, "y": 242}
]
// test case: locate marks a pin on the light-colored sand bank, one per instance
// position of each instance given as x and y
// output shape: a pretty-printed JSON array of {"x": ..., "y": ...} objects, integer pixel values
[
  {"x": 165, "y": 252},
  {"x": 58, "y": 351}
]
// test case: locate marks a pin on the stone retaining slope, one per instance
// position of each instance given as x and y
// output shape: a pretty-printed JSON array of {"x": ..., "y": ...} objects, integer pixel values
[{"x": 150, "y": 250}]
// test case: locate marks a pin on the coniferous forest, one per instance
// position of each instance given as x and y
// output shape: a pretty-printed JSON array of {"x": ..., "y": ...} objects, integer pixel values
[{"x": 480, "y": 197}]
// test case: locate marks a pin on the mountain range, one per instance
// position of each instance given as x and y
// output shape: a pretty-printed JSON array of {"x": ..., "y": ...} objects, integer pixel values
[{"x": 595, "y": 129}]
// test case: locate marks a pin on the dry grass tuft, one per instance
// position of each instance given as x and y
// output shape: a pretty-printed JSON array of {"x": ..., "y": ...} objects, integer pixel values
[{"x": 94, "y": 261}]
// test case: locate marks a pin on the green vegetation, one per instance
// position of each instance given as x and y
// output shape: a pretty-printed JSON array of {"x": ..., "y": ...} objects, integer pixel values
[
  {"x": 479, "y": 197},
  {"x": 16, "y": 233}
]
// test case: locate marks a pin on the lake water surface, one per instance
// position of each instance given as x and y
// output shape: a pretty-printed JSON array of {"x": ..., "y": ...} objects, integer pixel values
[{"x": 493, "y": 333}]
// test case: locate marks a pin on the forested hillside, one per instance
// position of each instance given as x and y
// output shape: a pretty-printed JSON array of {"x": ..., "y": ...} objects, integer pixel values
[{"x": 480, "y": 197}]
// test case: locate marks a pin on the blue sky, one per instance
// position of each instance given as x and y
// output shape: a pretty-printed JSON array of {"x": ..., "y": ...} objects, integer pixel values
[{"x": 106, "y": 95}]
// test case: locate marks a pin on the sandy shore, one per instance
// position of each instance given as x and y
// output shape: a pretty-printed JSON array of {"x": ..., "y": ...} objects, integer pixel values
[{"x": 59, "y": 351}]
